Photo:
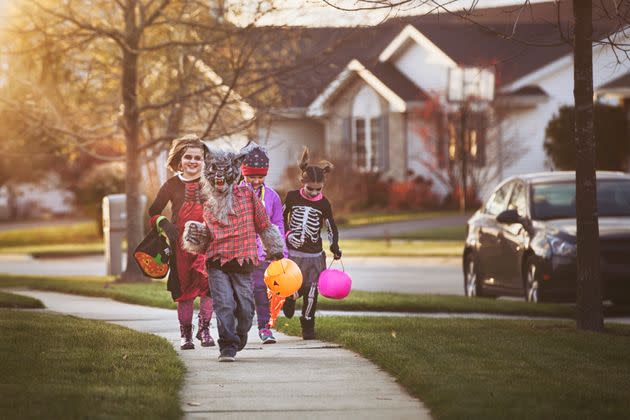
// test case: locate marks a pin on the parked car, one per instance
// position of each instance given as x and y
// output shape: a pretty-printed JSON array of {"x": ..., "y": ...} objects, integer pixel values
[{"x": 522, "y": 241}]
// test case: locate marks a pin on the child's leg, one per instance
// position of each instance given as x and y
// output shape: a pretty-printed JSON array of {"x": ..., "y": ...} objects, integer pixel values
[
  {"x": 185, "y": 312},
  {"x": 224, "y": 307},
  {"x": 311, "y": 268},
  {"x": 205, "y": 314},
  {"x": 205, "y": 307},
  {"x": 242, "y": 285},
  {"x": 260, "y": 295},
  {"x": 185, "y": 315}
]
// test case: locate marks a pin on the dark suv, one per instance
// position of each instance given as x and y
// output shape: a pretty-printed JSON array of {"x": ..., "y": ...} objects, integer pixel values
[{"x": 522, "y": 242}]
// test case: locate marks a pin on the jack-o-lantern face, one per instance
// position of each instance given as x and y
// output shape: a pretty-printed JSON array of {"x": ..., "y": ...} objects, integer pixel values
[{"x": 153, "y": 267}]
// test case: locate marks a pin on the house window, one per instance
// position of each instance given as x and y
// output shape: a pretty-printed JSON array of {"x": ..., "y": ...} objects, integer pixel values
[{"x": 366, "y": 130}]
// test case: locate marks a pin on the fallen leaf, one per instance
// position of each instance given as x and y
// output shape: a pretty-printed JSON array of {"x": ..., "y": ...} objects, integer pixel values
[
  {"x": 394, "y": 334},
  {"x": 194, "y": 404}
]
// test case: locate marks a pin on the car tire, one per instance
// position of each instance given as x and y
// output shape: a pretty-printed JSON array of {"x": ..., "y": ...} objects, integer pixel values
[
  {"x": 531, "y": 282},
  {"x": 472, "y": 287}
]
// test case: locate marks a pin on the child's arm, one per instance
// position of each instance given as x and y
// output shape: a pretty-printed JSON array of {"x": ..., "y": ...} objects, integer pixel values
[
  {"x": 277, "y": 218},
  {"x": 161, "y": 200},
  {"x": 333, "y": 233},
  {"x": 268, "y": 232}
]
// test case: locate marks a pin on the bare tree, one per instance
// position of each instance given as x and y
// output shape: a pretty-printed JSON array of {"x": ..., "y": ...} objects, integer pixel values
[{"x": 139, "y": 72}]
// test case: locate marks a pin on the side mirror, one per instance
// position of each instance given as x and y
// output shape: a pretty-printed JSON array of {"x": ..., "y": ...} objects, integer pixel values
[{"x": 509, "y": 217}]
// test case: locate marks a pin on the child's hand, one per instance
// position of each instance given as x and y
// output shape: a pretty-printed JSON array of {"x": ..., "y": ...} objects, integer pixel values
[
  {"x": 196, "y": 237},
  {"x": 277, "y": 256},
  {"x": 170, "y": 230},
  {"x": 336, "y": 251}
]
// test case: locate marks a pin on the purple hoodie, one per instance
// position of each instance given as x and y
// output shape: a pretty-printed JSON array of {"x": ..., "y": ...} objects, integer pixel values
[{"x": 273, "y": 205}]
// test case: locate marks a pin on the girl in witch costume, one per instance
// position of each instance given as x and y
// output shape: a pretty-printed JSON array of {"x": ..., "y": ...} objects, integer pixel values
[
  {"x": 306, "y": 211},
  {"x": 187, "y": 277}
]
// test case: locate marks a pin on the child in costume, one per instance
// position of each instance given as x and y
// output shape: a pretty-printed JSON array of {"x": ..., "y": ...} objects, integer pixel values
[
  {"x": 187, "y": 277},
  {"x": 254, "y": 169},
  {"x": 306, "y": 211},
  {"x": 233, "y": 216}
]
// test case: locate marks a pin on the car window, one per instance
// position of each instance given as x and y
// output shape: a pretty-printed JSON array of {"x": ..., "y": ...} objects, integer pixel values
[
  {"x": 518, "y": 200},
  {"x": 496, "y": 203},
  {"x": 557, "y": 200}
]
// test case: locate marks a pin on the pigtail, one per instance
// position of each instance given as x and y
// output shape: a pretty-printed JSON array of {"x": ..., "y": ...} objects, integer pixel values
[
  {"x": 326, "y": 166},
  {"x": 303, "y": 164}
]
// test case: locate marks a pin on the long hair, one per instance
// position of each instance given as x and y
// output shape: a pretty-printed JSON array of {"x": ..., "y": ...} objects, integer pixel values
[
  {"x": 313, "y": 173},
  {"x": 178, "y": 148}
]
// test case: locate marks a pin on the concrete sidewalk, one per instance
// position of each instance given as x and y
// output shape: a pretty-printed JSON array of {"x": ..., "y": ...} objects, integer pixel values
[{"x": 293, "y": 378}]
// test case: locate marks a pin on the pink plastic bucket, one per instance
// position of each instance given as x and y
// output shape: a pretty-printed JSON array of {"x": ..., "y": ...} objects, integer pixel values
[{"x": 334, "y": 284}]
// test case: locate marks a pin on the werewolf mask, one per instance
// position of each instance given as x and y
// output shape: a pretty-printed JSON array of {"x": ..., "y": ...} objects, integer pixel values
[{"x": 222, "y": 171}]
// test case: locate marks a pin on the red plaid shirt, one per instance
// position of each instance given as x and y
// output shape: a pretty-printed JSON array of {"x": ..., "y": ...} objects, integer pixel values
[{"x": 237, "y": 239}]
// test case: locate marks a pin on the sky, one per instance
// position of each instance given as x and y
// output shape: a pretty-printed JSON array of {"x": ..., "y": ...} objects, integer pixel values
[{"x": 317, "y": 13}]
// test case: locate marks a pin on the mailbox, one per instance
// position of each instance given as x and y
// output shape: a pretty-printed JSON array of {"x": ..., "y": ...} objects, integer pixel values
[{"x": 114, "y": 229}]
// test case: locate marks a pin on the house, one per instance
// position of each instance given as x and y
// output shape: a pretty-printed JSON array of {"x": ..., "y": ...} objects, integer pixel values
[{"x": 363, "y": 100}]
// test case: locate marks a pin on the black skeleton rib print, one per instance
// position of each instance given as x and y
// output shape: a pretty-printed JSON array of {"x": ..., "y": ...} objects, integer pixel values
[{"x": 304, "y": 220}]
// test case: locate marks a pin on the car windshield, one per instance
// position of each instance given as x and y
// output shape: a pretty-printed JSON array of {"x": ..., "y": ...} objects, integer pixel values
[{"x": 557, "y": 200}]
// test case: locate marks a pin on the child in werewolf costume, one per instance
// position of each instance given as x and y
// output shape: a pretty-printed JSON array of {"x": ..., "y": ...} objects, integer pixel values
[
  {"x": 232, "y": 216},
  {"x": 187, "y": 277}
]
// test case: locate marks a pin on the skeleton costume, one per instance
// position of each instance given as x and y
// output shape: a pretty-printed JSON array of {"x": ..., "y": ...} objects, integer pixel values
[{"x": 304, "y": 218}]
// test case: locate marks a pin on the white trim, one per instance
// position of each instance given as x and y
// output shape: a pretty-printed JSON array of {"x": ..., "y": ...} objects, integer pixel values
[
  {"x": 533, "y": 77},
  {"x": 558, "y": 64},
  {"x": 409, "y": 32},
  {"x": 396, "y": 103}
]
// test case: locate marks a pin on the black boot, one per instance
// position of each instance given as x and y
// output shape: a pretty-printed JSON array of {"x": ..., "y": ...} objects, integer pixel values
[
  {"x": 308, "y": 328},
  {"x": 186, "y": 342}
]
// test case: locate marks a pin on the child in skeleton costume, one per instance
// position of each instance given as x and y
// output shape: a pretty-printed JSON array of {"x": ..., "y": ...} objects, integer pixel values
[
  {"x": 187, "y": 277},
  {"x": 254, "y": 169},
  {"x": 233, "y": 215},
  {"x": 305, "y": 212}
]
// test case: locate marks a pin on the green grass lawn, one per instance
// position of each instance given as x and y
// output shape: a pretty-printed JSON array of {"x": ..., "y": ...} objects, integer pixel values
[
  {"x": 77, "y": 233},
  {"x": 155, "y": 294},
  {"x": 492, "y": 369},
  {"x": 10, "y": 300},
  {"x": 56, "y": 250},
  {"x": 62, "y": 367}
]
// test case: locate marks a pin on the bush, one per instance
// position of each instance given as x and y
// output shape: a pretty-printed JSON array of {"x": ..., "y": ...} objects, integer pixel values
[
  {"x": 101, "y": 180},
  {"x": 412, "y": 194}
]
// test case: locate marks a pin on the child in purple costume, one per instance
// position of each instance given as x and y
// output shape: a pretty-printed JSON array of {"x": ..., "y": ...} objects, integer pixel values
[{"x": 254, "y": 169}]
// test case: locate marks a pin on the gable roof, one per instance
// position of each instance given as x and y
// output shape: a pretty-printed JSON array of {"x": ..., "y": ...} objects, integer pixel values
[
  {"x": 384, "y": 78},
  {"x": 491, "y": 40}
]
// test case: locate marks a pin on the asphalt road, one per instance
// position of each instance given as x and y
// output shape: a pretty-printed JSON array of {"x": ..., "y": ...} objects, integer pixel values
[
  {"x": 383, "y": 230},
  {"x": 391, "y": 274}
]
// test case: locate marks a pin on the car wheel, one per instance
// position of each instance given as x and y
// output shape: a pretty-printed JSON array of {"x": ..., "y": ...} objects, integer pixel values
[
  {"x": 471, "y": 277},
  {"x": 532, "y": 285}
]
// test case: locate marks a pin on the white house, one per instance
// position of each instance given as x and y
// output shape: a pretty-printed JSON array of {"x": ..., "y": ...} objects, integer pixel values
[{"x": 366, "y": 101}]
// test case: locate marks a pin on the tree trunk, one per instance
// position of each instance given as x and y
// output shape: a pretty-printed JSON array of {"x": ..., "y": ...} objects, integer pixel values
[
  {"x": 589, "y": 292},
  {"x": 131, "y": 126}
]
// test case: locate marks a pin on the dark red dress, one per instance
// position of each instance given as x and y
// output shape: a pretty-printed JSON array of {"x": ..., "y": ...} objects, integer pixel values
[{"x": 188, "y": 277}]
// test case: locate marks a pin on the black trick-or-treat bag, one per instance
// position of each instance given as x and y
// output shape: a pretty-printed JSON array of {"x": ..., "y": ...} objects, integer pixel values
[{"x": 152, "y": 255}]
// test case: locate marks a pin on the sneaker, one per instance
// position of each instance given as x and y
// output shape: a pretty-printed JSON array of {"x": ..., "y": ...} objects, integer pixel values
[
  {"x": 227, "y": 358},
  {"x": 243, "y": 343},
  {"x": 288, "y": 307},
  {"x": 266, "y": 336}
]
